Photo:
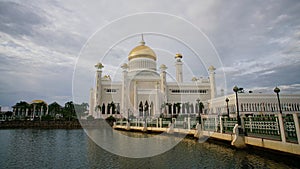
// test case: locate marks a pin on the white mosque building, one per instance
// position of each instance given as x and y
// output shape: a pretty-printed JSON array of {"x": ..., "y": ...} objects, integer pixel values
[{"x": 145, "y": 92}]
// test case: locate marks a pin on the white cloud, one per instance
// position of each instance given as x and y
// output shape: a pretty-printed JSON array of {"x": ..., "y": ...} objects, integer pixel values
[{"x": 39, "y": 42}]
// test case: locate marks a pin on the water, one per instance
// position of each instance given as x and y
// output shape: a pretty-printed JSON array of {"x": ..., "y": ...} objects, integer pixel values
[{"x": 33, "y": 148}]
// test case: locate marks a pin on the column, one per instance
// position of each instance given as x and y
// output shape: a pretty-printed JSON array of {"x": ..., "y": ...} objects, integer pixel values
[
  {"x": 178, "y": 65},
  {"x": 157, "y": 101},
  {"x": 211, "y": 71},
  {"x": 135, "y": 99},
  {"x": 281, "y": 127},
  {"x": 124, "y": 89},
  {"x": 34, "y": 109},
  {"x": 98, "y": 87},
  {"x": 297, "y": 127},
  {"x": 221, "y": 124},
  {"x": 189, "y": 122}
]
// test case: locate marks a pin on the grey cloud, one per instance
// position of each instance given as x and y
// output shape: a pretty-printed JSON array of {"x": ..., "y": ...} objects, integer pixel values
[
  {"x": 18, "y": 19},
  {"x": 56, "y": 30}
]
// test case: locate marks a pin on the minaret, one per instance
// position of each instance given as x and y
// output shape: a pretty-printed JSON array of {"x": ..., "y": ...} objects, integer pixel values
[
  {"x": 178, "y": 65},
  {"x": 124, "y": 89},
  {"x": 211, "y": 71},
  {"x": 92, "y": 102},
  {"x": 99, "y": 68},
  {"x": 163, "y": 82}
]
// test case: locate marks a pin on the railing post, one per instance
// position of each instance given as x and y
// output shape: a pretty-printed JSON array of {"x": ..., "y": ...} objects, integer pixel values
[
  {"x": 160, "y": 121},
  {"x": 189, "y": 123},
  {"x": 221, "y": 124},
  {"x": 202, "y": 123},
  {"x": 297, "y": 127},
  {"x": 250, "y": 123},
  {"x": 216, "y": 123},
  {"x": 281, "y": 127}
]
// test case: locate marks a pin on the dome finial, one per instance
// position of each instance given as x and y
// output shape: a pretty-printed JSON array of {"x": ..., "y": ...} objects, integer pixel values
[{"x": 142, "y": 42}]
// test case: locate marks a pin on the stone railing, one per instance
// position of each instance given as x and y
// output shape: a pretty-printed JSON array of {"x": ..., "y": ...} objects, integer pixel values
[{"x": 267, "y": 126}]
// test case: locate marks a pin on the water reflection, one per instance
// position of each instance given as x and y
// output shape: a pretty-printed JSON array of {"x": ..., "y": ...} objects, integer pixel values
[
  {"x": 134, "y": 147},
  {"x": 191, "y": 154},
  {"x": 73, "y": 149}
]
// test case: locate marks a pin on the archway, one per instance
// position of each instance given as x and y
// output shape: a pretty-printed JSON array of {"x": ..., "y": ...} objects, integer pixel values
[{"x": 141, "y": 109}]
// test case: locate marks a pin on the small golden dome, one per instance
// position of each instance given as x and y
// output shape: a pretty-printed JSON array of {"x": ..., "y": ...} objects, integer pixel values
[
  {"x": 178, "y": 55},
  {"x": 38, "y": 101},
  {"x": 142, "y": 51}
]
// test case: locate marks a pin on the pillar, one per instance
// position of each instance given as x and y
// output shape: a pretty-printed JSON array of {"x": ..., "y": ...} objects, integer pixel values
[
  {"x": 189, "y": 122},
  {"x": 157, "y": 101},
  {"x": 281, "y": 127},
  {"x": 98, "y": 87},
  {"x": 178, "y": 65},
  {"x": 297, "y": 127},
  {"x": 163, "y": 83},
  {"x": 34, "y": 109},
  {"x": 124, "y": 89},
  {"x": 135, "y": 99},
  {"x": 211, "y": 71},
  {"x": 221, "y": 124},
  {"x": 92, "y": 102}
]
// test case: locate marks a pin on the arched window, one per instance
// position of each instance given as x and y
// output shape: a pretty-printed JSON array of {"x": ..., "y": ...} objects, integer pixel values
[
  {"x": 113, "y": 107},
  {"x": 108, "y": 108},
  {"x": 183, "y": 108},
  {"x": 103, "y": 108},
  {"x": 146, "y": 108},
  {"x": 170, "y": 108},
  {"x": 141, "y": 109},
  {"x": 192, "y": 108},
  {"x": 187, "y": 106},
  {"x": 174, "y": 108}
]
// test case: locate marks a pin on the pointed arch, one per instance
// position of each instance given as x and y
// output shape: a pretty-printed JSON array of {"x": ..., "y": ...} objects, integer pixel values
[
  {"x": 170, "y": 108},
  {"x": 192, "y": 108},
  {"x": 108, "y": 108},
  {"x": 146, "y": 108},
  {"x": 183, "y": 108},
  {"x": 174, "y": 108},
  {"x": 141, "y": 108},
  {"x": 103, "y": 108}
]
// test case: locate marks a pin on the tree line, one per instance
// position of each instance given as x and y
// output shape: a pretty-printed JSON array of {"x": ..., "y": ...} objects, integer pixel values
[{"x": 25, "y": 111}]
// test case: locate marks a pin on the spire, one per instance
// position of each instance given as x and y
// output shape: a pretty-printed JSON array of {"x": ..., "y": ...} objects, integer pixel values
[{"x": 142, "y": 42}]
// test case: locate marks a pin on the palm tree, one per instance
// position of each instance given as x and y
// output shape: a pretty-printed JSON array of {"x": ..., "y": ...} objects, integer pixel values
[{"x": 69, "y": 110}]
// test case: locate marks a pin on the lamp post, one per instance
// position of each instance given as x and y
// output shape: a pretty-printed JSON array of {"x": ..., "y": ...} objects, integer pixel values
[
  {"x": 227, "y": 100},
  {"x": 199, "y": 111},
  {"x": 236, "y": 89},
  {"x": 277, "y": 90}
]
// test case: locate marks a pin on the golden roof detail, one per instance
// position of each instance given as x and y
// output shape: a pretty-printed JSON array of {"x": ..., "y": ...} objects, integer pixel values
[{"x": 142, "y": 51}]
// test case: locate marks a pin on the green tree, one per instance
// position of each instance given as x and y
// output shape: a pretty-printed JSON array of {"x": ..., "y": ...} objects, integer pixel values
[{"x": 69, "y": 110}]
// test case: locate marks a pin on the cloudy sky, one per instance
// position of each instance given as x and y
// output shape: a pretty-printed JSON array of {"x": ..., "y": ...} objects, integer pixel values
[{"x": 257, "y": 43}]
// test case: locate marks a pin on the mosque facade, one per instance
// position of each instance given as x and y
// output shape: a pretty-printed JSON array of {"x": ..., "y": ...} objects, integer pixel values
[{"x": 144, "y": 90}]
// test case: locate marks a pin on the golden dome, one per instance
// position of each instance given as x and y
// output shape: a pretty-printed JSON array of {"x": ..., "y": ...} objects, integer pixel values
[
  {"x": 38, "y": 101},
  {"x": 142, "y": 51},
  {"x": 178, "y": 56}
]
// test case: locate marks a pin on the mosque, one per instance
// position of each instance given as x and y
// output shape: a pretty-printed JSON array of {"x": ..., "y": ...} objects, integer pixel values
[{"x": 144, "y": 91}]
